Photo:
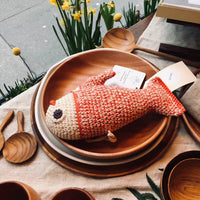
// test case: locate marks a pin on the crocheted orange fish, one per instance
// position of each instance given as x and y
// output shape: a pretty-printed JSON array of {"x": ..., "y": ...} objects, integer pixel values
[{"x": 94, "y": 109}]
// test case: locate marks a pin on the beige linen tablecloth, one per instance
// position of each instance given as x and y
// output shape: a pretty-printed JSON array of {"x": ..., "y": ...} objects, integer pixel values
[{"x": 47, "y": 177}]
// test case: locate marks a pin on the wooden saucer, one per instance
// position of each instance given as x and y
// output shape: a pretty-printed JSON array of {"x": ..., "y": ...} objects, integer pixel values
[{"x": 74, "y": 71}]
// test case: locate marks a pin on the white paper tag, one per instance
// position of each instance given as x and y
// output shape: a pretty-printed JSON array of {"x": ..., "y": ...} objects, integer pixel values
[
  {"x": 175, "y": 76},
  {"x": 126, "y": 77}
]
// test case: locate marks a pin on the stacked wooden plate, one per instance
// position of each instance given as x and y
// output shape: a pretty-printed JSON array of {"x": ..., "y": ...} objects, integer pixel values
[{"x": 139, "y": 144}]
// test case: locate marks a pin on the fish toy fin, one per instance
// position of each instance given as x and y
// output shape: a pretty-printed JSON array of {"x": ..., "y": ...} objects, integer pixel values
[
  {"x": 109, "y": 137},
  {"x": 163, "y": 100},
  {"x": 98, "y": 80}
]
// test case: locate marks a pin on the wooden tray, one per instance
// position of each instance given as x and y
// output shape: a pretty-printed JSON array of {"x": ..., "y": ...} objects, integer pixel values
[
  {"x": 107, "y": 171},
  {"x": 191, "y": 124},
  {"x": 74, "y": 71},
  {"x": 170, "y": 166}
]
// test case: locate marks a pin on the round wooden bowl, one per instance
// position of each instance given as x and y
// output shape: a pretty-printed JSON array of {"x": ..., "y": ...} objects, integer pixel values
[
  {"x": 72, "y": 194},
  {"x": 171, "y": 166},
  {"x": 74, "y": 71},
  {"x": 184, "y": 180},
  {"x": 17, "y": 190}
]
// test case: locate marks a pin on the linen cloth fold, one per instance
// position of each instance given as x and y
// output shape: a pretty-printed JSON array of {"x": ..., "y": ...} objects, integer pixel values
[{"x": 47, "y": 177}]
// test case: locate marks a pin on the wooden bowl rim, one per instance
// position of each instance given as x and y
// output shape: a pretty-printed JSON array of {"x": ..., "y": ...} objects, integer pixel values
[{"x": 74, "y": 189}]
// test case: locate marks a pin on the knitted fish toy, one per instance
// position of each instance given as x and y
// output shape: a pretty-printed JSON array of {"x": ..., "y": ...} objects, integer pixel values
[{"x": 94, "y": 109}]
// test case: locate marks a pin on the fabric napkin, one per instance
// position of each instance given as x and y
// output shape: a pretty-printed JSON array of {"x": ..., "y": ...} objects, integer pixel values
[{"x": 191, "y": 100}]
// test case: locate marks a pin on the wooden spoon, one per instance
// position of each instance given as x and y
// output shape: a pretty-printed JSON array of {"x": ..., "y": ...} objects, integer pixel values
[
  {"x": 5, "y": 122},
  {"x": 123, "y": 39},
  {"x": 21, "y": 146}
]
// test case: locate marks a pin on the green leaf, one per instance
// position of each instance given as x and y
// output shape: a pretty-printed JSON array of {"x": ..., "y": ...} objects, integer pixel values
[
  {"x": 59, "y": 40},
  {"x": 149, "y": 196},
  {"x": 154, "y": 187},
  {"x": 137, "y": 194}
]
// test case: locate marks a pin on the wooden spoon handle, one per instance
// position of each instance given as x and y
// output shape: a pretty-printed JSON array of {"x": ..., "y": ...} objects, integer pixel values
[
  {"x": 170, "y": 57},
  {"x": 7, "y": 119},
  {"x": 20, "y": 121}
]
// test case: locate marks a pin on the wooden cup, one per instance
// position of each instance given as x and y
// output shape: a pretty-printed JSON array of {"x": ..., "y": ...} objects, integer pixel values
[
  {"x": 11, "y": 190},
  {"x": 72, "y": 194}
]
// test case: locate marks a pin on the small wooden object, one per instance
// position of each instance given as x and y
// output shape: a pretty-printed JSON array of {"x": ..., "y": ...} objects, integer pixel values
[
  {"x": 123, "y": 39},
  {"x": 17, "y": 190},
  {"x": 72, "y": 194},
  {"x": 5, "y": 122},
  {"x": 21, "y": 146},
  {"x": 184, "y": 180}
]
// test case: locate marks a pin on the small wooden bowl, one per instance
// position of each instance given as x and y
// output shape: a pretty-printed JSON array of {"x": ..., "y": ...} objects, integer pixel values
[
  {"x": 72, "y": 194},
  {"x": 169, "y": 168},
  {"x": 16, "y": 190},
  {"x": 74, "y": 71},
  {"x": 184, "y": 180}
]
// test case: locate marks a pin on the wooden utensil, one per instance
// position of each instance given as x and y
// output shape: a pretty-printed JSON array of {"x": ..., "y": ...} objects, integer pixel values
[
  {"x": 5, "y": 122},
  {"x": 123, "y": 39},
  {"x": 184, "y": 180},
  {"x": 20, "y": 146}
]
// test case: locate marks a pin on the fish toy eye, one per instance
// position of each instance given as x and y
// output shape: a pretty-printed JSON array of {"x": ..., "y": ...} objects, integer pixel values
[{"x": 58, "y": 113}]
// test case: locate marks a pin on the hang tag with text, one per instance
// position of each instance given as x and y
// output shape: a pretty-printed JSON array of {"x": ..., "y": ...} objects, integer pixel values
[
  {"x": 126, "y": 77},
  {"x": 175, "y": 76}
]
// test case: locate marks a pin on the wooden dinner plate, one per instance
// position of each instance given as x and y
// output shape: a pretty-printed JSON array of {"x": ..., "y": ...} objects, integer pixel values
[
  {"x": 191, "y": 124},
  {"x": 170, "y": 166},
  {"x": 74, "y": 71},
  {"x": 107, "y": 171}
]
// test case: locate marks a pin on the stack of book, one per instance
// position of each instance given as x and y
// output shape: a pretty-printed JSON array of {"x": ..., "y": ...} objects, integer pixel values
[{"x": 181, "y": 10}]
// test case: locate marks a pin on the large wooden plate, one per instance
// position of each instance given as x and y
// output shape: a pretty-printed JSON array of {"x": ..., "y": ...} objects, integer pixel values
[
  {"x": 192, "y": 125},
  {"x": 75, "y": 70},
  {"x": 108, "y": 171}
]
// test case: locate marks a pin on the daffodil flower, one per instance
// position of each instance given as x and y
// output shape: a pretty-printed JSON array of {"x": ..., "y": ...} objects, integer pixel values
[
  {"x": 77, "y": 15},
  {"x": 16, "y": 51},
  {"x": 66, "y": 5},
  {"x": 91, "y": 10},
  {"x": 117, "y": 17},
  {"x": 53, "y": 2},
  {"x": 111, "y": 4},
  {"x": 88, "y": 1}
]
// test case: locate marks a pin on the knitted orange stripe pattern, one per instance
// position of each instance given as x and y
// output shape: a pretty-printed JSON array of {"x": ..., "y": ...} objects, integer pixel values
[{"x": 101, "y": 108}]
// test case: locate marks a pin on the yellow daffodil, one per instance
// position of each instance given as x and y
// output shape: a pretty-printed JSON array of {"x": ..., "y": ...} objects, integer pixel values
[
  {"x": 91, "y": 10},
  {"x": 16, "y": 51},
  {"x": 117, "y": 17},
  {"x": 77, "y": 15},
  {"x": 111, "y": 4},
  {"x": 66, "y": 5},
  {"x": 88, "y": 1},
  {"x": 53, "y": 2}
]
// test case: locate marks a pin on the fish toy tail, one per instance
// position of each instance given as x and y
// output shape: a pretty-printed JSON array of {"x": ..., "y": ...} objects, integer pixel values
[{"x": 163, "y": 100}]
